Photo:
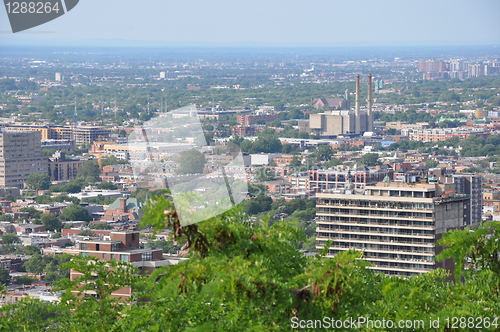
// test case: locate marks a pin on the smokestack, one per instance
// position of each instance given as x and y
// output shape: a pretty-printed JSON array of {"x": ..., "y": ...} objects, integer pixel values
[
  {"x": 370, "y": 115},
  {"x": 358, "y": 117}
]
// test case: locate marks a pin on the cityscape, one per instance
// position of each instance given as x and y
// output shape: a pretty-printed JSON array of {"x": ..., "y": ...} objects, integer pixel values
[{"x": 277, "y": 184}]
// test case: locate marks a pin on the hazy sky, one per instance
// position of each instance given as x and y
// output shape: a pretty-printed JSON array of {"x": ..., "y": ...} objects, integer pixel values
[{"x": 269, "y": 22}]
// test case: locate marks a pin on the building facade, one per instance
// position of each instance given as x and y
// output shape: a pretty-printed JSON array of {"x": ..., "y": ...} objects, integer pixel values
[
  {"x": 20, "y": 156},
  {"x": 61, "y": 168},
  {"x": 338, "y": 178},
  {"x": 396, "y": 225}
]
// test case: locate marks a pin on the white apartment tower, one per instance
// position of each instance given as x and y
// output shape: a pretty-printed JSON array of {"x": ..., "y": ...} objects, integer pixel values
[{"x": 395, "y": 224}]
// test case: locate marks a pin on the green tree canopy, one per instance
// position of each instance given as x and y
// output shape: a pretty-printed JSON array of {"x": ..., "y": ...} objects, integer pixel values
[
  {"x": 32, "y": 212},
  {"x": 51, "y": 222},
  {"x": 370, "y": 159},
  {"x": 191, "y": 162},
  {"x": 89, "y": 169},
  {"x": 107, "y": 186},
  {"x": 322, "y": 153},
  {"x": 4, "y": 276},
  {"x": 38, "y": 181},
  {"x": 431, "y": 163},
  {"x": 9, "y": 238},
  {"x": 76, "y": 213}
]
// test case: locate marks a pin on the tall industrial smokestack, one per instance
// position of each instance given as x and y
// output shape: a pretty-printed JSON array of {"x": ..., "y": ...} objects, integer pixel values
[
  {"x": 369, "y": 127},
  {"x": 358, "y": 117}
]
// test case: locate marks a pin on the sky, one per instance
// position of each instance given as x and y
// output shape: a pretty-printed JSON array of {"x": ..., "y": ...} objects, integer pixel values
[{"x": 326, "y": 23}]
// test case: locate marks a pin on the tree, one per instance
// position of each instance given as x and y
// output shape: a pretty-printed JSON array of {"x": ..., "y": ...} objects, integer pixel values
[
  {"x": 32, "y": 212},
  {"x": 296, "y": 161},
  {"x": 107, "y": 186},
  {"x": 35, "y": 264},
  {"x": 76, "y": 213},
  {"x": 24, "y": 280},
  {"x": 8, "y": 239},
  {"x": 370, "y": 159},
  {"x": 322, "y": 153},
  {"x": 89, "y": 169},
  {"x": 191, "y": 162},
  {"x": 51, "y": 222},
  {"x": 332, "y": 163},
  {"x": 431, "y": 163},
  {"x": 168, "y": 247},
  {"x": 86, "y": 232},
  {"x": 113, "y": 160},
  {"x": 38, "y": 181},
  {"x": 6, "y": 217},
  {"x": 267, "y": 144},
  {"x": 4, "y": 276},
  {"x": 100, "y": 226}
]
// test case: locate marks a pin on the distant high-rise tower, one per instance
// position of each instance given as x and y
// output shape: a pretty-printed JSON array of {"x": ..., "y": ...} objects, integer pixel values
[
  {"x": 20, "y": 156},
  {"x": 58, "y": 77}
]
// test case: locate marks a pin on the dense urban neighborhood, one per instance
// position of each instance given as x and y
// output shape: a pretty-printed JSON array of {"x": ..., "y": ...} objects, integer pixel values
[{"x": 251, "y": 186}]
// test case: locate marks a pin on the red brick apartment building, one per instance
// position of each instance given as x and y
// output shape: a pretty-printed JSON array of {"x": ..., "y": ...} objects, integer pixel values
[
  {"x": 249, "y": 120},
  {"x": 122, "y": 246}
]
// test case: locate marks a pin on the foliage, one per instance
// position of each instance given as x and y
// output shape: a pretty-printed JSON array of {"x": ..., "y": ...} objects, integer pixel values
[
  {"x": 263, "y": 144},
  {"x": 370, "y": 159},
  {"x": 4, "y": 276},
  {"x": 191, "y": 162},
  {"x": 38, "y": 181},
  {"x": 25, "y": 280},
  {"x": 32, "y": 212},
  {"x": 113, "y": 160},
  {"x": 143, "y": 195},
  {"x": 76, "y": 213},
  {"x": 102, "y": 278},
  {"x": 31, "y": 315},
  {"x": 249, "y": 276},
  {"x": 258, "y": 204},
  {"x": 107, "y": 186},
  {"x": 264, "y": 174},
  {"x": 322, "y": 153},
  {"x": 168, "y": 247},
  {"x": 431, "y": 163},
  {"x": 44, "y": 199},
  {"x": 51, "y": 222},
  {"x": 89, "y": 169},
  {"x": 332, "y": 163},
  {"x": 100, "y": 226},
  {"x": 6, "y": 217},
  {"x": 8, "y": 239},
  {"x": 86, "y": 232}
]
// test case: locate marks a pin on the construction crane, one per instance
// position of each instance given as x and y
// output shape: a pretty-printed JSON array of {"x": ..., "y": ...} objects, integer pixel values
[
  {"x": 444, "y": 195},
  {"x": 100, "y": 148}
]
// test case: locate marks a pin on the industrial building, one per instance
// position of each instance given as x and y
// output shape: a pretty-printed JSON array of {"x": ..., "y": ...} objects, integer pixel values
[{"x": 340, "y": 120}]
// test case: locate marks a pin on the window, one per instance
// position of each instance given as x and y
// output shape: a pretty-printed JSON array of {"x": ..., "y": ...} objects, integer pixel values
[
  {"x": 104, "y": 255},
  {"x": 124, "y": 258},
  {"x": 83, "y": 246},
  {"x": 147, "y": 256},
  {"x": 85, "y": 254},
  {"x": 97, "y": 247}
]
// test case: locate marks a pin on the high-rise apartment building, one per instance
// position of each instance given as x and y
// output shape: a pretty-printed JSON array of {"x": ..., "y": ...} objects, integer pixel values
[
  {"x": 395, "y": 224},
  {"x": 88, "y": 134},
  {"x": 20, "y": 156}
]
